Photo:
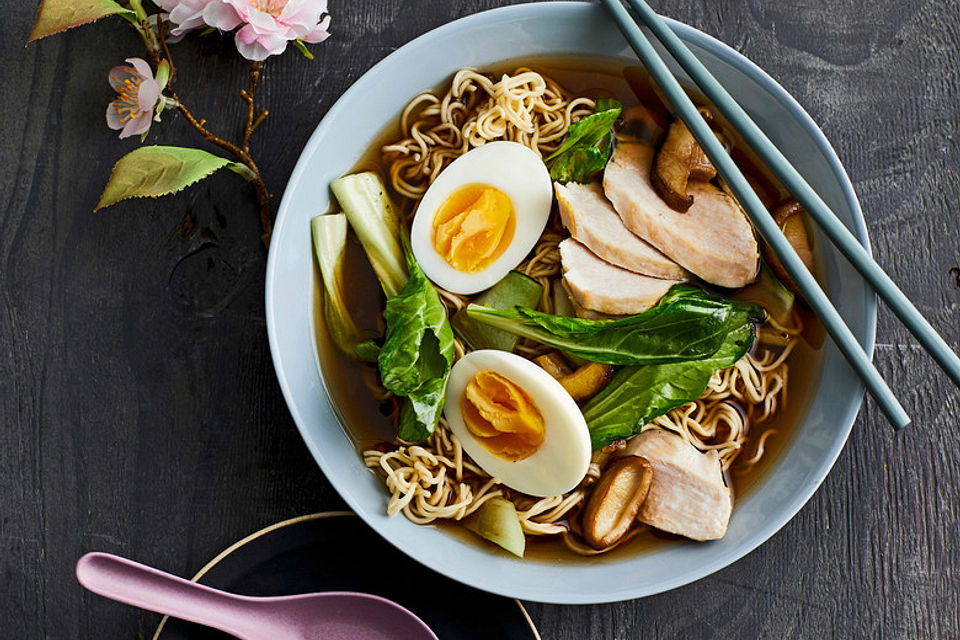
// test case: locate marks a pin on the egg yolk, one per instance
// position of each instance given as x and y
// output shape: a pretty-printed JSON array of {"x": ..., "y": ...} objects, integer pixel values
[
  {"x": 501, "y": 416},
  {"x": 473, "y": 227}
]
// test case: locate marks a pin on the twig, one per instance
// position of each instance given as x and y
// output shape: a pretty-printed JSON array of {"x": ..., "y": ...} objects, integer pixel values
[
  {"x": 260, "y": 118},
  {"x": 206, "y": 133},
  {"x": 157, "y": 46},
  {"x": 247, "y": 97},
  {"x": 162, "y": 26},
  {"x": 151, "y": 40},
  {"x": 243, "y": 156}
]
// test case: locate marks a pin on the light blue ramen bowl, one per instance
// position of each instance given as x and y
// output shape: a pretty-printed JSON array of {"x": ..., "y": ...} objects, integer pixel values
[{"x": 338, "y": 143}]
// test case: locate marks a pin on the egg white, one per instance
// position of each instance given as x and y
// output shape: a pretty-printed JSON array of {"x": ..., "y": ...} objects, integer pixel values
[
  {"x": 513, "y": 169},
  {"x": 562, "y": 460}
]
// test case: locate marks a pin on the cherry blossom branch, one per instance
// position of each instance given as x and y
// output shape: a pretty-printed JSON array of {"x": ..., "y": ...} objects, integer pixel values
[
  {"x": 243, "y": 156},
  {"x": 143, "y": 92},
  {"x": 247, "y": 96},
  {"x": 162, "y": 31},
  {"x": 160, "y": 52}
]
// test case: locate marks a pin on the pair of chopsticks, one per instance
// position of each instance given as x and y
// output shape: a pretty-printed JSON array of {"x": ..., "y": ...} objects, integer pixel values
[{"x": 758, "y": 214}]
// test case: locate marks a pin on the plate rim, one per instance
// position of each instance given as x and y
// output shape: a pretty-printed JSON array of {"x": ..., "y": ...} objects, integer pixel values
[
  {"x": 320, "y": 515},
  {"x": 778, "y": 93}
]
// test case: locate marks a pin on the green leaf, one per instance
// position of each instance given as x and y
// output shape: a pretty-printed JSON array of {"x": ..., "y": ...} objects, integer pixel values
[
  {"x": 606, "y": 104},
  {"x": 417, "y": 353},
  {"x": 637, "y": 395},
  {"x": 515, "y": 289},
  {"x": 578, "y": 165},
  {"x": 55, "y": 16},
  {"x": 420, "y": 411},
  {"x": 587, "y": 147},
  {"x": 154, "y": 171},
  {"x": 687, "y": 324}
]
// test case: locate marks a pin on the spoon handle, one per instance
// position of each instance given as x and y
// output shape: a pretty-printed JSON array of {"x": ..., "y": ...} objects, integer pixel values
[{"x": 148, "y": 588}]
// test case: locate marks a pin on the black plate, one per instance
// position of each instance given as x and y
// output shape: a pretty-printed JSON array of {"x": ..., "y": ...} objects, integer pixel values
[{"x": 336, "y": 551}]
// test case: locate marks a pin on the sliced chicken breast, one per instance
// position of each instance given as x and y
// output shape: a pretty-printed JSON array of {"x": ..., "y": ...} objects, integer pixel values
[
  {"x": 593, "y": 221},
  {"x": 598, "y": 285},
  {"x": 712, "y": 239},
  {"x": 687, "y": 495}
]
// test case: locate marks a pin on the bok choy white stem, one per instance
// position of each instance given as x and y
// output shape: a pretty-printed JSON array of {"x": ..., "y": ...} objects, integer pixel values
[
  {"x": 329, "y": 243},
  {"x": 418, "y": 350},
  {"x": 364, "y": 200}
]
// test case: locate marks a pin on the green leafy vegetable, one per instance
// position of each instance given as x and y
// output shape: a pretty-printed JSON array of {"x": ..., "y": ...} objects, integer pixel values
[
  {"x": 769, "y": 293},
  {"x": 416, "y": 356},
  {"x": 562, "y": 305},
  {"x": 637, "y": 395},
  {"x": 330, "y": 243},
  {"x": 587, "y": 147},
  {"x": 55, "y": 16},
  {"x": 497, "y": 521},
  {"x": 516, "y": 289},
  {"x": 417, "y": 352},
  {"x": 687, "y": 324},
  {"x": 373, "y": 218},
  {"x": 153, "y": 171}
]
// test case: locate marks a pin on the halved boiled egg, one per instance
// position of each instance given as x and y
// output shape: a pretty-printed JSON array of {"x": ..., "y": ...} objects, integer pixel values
[
  {"x": 517, "y": 422},
  {"x": 481, "y": 216}
]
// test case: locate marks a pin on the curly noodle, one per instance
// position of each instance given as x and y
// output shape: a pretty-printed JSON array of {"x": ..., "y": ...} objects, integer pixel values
[
  {"x": 524, "y": 107},
  {"x": 436, "y": 480}
]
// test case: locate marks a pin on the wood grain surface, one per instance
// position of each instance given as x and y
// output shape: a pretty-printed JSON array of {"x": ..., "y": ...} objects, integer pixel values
[{"x": 141, "y": 414}]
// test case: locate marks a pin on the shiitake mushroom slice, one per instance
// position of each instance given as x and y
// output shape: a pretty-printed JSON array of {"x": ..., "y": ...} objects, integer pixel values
[
  {"x": 789, "y": 216},
  {"x": 679, "y": 160},
  {"x": 554, "y": 364},
  {"x": 583, "y": 383},
  {"x": 587, "y": 381},
  {"x": 615, "y": 501}
]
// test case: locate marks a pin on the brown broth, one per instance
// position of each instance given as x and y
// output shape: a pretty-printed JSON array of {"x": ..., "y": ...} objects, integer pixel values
[
  {"x": 370, "y": 424},
  {"x": 363, "y": 418}
]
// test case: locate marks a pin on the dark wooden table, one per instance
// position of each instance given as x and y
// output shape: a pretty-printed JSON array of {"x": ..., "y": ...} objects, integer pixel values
[{"x": 140, "y": 411}]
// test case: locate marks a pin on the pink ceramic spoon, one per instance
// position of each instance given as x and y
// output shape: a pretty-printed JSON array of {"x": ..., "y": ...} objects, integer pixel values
[{"x": 314, "y": 616}]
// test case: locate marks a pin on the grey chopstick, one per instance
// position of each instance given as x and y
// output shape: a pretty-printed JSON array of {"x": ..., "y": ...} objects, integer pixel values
[
  {"x": 838, "y": 233},
  {"x": 760, "y": 217}
]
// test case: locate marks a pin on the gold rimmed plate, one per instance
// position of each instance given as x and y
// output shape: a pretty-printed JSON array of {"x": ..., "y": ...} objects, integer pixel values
[{"x": 336, "y": 551}]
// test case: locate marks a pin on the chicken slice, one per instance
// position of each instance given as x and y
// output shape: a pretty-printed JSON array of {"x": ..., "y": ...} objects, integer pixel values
[
  {"x": 592, "y": 220},
  {"x": 687, "y": 495},
  {"x": 712, "y": 239},
  {"x": 598, "y": 285}
]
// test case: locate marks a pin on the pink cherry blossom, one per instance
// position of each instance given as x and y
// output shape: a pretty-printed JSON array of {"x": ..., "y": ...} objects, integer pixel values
[
  {"x": 138, "y": 94},
  {"x": 268, "y": 25},
  {"x": 184, "y": 15}
]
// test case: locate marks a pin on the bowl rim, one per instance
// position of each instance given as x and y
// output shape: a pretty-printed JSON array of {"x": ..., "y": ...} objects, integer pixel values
[{"x": 728, "y": 55}]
